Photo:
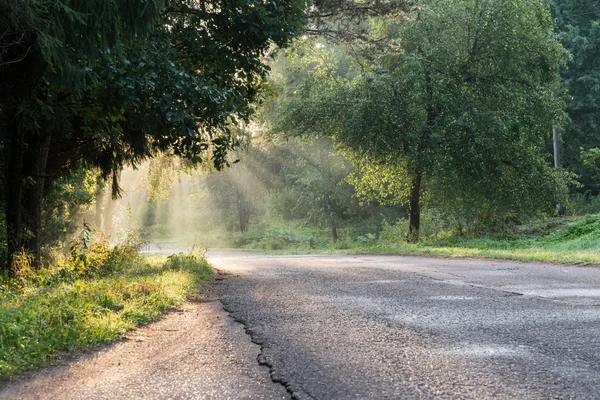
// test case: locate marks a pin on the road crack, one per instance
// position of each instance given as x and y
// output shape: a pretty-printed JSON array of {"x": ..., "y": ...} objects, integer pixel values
[{"x": 296, "y": 391}]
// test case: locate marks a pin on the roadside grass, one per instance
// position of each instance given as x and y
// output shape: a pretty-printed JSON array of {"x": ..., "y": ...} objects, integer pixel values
[
  {"x": 62, "y": 310},
  {"x": 471, "y": 249},
  {"x": 567, "y": 240},
  {"x": 574, "y": 240}
]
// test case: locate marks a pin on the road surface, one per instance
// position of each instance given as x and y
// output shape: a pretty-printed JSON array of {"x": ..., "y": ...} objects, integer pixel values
[
  {"x": 378, "y": 327},
  {"x": 355, "y": 327},
  {"x": 195, "y": 352}
]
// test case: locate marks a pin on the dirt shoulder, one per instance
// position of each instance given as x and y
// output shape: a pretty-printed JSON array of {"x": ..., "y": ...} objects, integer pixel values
[{"x": 197, "y": 351}]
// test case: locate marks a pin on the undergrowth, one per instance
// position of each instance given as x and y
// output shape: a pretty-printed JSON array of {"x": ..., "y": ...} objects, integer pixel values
[
  {"x": 563, "y": 240},
  {"x": 94, "y": 296},
  {"x": 571, "y": 240}
]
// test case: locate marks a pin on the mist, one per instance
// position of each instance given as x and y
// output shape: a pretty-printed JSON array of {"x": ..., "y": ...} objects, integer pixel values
[{"x": 172, "y": 207}]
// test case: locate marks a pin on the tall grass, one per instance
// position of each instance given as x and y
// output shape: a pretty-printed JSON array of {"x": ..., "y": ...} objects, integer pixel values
[{"x": 93, "y": 297}]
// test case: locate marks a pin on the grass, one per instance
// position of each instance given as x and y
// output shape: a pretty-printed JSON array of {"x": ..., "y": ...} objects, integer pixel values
[
  {"x": 567, "y": 240},
  {"x": 574, "y": 240},
  {"x": 467, "y": 248},
  {"x": 471, "y": 249},
  {"x": 44, "y": 318}
]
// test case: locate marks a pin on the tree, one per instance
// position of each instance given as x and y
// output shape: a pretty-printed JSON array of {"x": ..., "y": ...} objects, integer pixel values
[
  {"x": 107, "y": 84},
  {"x": 577, "y": 25},
  {"x": 234, "y": 197},
  {"x": 47, "y": 49},
  {"x": 347, "y": 21},
  {"x": 463, "y": 107},
  {"x": 312, "y": 185}
]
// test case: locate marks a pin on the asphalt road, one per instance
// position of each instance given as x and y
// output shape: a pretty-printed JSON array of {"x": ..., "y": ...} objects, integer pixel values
[
  {"x": 195, "y": 352},
  {"x": 377, "y": 327}
]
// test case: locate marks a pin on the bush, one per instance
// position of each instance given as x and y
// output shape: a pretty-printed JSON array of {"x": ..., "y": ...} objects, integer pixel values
[
  {"x": 368, "y": 239},
  {"x": 280, "y": 237},
  {"x": 588, "y": 226},
  {"x": 583, "y": 204},
  {"x": 434, "y": 225},
  {"x": 344, "y": 244},
  {"x": 186, "y": 262},
  {"x": 83, "y": 262}
]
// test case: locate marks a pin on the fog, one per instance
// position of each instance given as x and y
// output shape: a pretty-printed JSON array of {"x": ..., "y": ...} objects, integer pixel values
[{"x": 170, "y": 206}]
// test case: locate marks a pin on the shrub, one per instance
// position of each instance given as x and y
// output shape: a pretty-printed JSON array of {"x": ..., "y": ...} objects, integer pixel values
[
  {"x": 583, "y": 204},
  {"x": 588, "y": 226},
  {"x": 367, "y": 239}
]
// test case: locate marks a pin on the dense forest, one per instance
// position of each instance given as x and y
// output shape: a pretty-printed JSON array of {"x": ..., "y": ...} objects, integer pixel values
[{"x": 282, "y": 125}]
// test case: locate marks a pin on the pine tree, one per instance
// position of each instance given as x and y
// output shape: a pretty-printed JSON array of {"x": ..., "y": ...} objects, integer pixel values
[{"x": 107, "y": 84}]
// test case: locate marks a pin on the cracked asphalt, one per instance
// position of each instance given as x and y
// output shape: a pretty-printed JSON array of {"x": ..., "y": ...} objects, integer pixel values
[
  {"x": 354, "y": 327},
  {"x": 390, "y": 327},
  {"x": 195, "y": 352}
]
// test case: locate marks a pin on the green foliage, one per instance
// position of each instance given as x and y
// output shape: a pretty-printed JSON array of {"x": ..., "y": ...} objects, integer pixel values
[
  {"x": 282, "y": 237},
  {"x": 588, "y": 227},
  {"x": 85, "y": 260},
  {"x": 110, "y": 84},
  {"x": 112, "y": 291},
  {"x": 591, "y": 161},
  {"x": 382, "y": 181},
  {"x": 463, "y": 109},
  {"x": 313, "y": 184},
  {"x": 434, "y": 225},
  {"x": 366, "y": 240},
  {"x": 70, "y": 33},
  {"x": 347, "y": 21},
  {"x": 64, "y": 204},
  {"x": 583, "y": 204},
  {"x": 162, "y": 171},
  {"x": 232, "y": 198},
  {"x": 186, "y": 261},
  {"x": 578, "y": 28},
  {"x": 574, "y": 240}
]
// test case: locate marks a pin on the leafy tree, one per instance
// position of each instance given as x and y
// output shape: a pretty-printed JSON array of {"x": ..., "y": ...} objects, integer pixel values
[
  {"x": 312, "y": 185},
  {"x": 577, "y": 23},
  {"x": 107, "y": 84},
  {"x": 48, "y": 50},
  {"x": 234, "y": 197},
  {"x": 347, "y": 21},
  {"x": 591, "y": 160},
  {"x": 461, "y": 109}
]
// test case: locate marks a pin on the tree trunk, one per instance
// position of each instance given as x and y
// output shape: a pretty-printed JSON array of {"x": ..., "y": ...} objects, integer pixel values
[
  {"x": 334, "y": 234},
  {"x": 243, "y": 207},
  {"x": 27, "y": 72},
  {"x": 33, "y": 195},
  {"x": 13, "y": 174},
  {"x": 415, "y": 209},
  {"x": 99, "y": 197}
]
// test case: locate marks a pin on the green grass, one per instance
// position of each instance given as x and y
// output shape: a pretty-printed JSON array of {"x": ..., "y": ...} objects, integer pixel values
[
  {"x": 557, "y": 240},
  {"x": 567, "y": 240},
  {"x": 40, "y": 322},
  {"x": 471, "y": 249}
]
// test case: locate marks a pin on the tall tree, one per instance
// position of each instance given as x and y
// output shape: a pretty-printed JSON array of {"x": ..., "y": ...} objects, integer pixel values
[
  {"x": 106, "y": 84},
  {"x": 462, "y": 107},
  {"x": 577, "y": 23},
  {"x": 48, "y": 51}
]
